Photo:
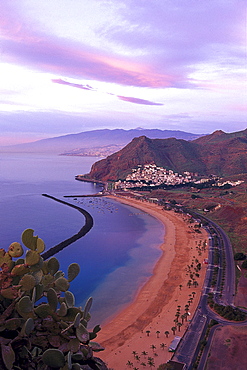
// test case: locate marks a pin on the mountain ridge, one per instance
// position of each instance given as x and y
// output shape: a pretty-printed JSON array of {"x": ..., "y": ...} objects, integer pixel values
[
  {"x": 219, "y": 153},
  {"x": 94, "y": 138}
]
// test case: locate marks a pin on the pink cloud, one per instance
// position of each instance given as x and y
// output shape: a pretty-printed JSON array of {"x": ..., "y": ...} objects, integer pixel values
[{"x": 23, "y": 45}]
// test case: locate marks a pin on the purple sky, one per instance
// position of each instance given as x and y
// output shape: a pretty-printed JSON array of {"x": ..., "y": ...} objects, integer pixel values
[{"x": 68, "y": 66}]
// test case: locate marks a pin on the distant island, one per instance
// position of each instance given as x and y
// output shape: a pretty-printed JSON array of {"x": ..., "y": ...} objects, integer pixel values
[{"x": 94, "y": 142}]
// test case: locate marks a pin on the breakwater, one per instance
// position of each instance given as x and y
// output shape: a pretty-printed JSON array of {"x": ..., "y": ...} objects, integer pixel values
[{"x": 83, "y": 231}]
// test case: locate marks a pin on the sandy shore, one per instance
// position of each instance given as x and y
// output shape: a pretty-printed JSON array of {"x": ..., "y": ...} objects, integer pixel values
[{"x": 137, "y": 334}]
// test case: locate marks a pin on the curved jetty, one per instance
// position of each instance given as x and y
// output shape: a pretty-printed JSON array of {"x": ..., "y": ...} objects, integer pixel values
[{"x": 83, "y": 231}]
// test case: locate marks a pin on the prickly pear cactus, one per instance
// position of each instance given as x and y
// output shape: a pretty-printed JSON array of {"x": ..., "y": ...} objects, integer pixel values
[{"x": 48, "y": 335}]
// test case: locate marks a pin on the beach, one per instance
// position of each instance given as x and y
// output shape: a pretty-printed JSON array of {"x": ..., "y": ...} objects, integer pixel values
[{"x": 141, "y": 332}]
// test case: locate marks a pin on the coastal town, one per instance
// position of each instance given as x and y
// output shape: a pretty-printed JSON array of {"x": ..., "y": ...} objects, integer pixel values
[{"x": 151, "y": 175}]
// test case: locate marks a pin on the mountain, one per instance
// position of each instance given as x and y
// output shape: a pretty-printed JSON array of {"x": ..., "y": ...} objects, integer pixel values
[
  {"x": 94, "y": 138},
  {"x": 219, "y": 153}
]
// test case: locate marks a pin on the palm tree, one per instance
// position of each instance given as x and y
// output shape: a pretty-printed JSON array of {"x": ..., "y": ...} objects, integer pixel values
[
  {"x": 144, "y": 353},
  {"x": 151, "y": 362},
  {"x": 162, "y": 345},
  {"x": 186, "y": 308},
  {"x": 129, "y": 363},
  {"x": 157, "y": 333},
  {"x": 179, "y": 324},
  {"x": 153, "y": 346},
  {"x": 137, "y": 358},
  {"x": 148, "y": 332},
  {"x": 186, "y": 315},
  {"x": 167, "y": 333},
  {"x": 189, "y": 283},
  {"x": 180, "y": 286},
  {"x": 173, "y": 329},
  {"x": 195, "y": 283},
  {"x": 183, "y": 317},
  {"x": 134, "y": 353},
  {"x": 143, "y": 364}
]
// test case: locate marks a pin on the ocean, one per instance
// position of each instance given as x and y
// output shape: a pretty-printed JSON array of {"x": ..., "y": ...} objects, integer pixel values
[{"x": 118, "y": 254}]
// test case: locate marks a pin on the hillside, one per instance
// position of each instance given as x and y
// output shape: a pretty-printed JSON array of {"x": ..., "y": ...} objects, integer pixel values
[
  {"x": 93, "y": 139},
  {"x": 219, "y": 153}
]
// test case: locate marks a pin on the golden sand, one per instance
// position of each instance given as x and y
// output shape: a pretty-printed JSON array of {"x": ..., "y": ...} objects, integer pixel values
[{"x": 137, "y": 334}]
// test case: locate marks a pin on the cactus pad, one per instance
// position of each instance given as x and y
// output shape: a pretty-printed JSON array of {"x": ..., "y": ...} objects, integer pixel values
[
  {"x": 52, "y": 265},
  {"x": 28, "y": 327},
  {"x": 62, "y": 284},
  {"x": 82, "y": 334},
  {"x": 73, "y": 271},
  {"x": 87, "y": 307},
  {"x": 32, "y": 257},
  {"x": 29, "y": 240},
  {"x": 25, "y": 304},
  {"x": 52, "y": 299},
  {"x": 69, "y": 299},
  {"x": 62, "y": 311},
  {"x": 53, "y": 358},
  {"x": 27, "y": 282},
  {"x": 19, "y": 270},
  {"x": 43, "y": 310},
  {"x": 15, "y": 250},
  {"x": 40, "y": 246},
  {"x": 8, "y": 356}
]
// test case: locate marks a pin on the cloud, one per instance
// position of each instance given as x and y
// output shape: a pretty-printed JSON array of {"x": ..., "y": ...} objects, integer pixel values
[
  {"x": 175, "y": 36},
  {"x": 83, "y": 87},
  {"x": 137, "y": 101},
  {"x": 90, "y": 88},
  {"x": 23, "y": 44}
]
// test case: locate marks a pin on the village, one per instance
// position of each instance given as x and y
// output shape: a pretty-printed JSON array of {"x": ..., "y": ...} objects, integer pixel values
[{"x": 151, "y": 175}]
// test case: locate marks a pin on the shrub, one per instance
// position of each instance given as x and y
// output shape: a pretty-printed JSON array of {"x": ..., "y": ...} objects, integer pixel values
[
  {"x": 244, "y": 264},
  {"x": 239, "y": 256}
]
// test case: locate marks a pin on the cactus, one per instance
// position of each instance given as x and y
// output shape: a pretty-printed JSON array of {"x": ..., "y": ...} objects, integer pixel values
[
  {"x": 52, "y": 299},
  {"x": 52, "y": 265},
  {"x": 73, "y": 271},
  {"x": 35, "y": 329},
  {"x": 53, "y": 358},
  {"x": 8, "y": 356},
  {"x": 69, "y": 299},
  {"x": 32, "y": 258},
  {"x": 62, "y": 284},
  {"x": 28, "y": 327},
  {"x": 15, "y": 250},
  {"x": 27, "y": 282},
  {"x": 62, "y": 311}
]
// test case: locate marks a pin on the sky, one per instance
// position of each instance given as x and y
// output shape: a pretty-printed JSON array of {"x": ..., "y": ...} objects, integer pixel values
[{"x": 68, "y": 66}]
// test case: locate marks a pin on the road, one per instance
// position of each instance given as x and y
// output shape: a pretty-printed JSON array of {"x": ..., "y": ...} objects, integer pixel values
[{"x": 224, "y": 292}]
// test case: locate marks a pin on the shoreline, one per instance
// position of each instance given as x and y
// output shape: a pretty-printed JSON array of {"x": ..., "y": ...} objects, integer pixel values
[{"x": 152, "y": 312}]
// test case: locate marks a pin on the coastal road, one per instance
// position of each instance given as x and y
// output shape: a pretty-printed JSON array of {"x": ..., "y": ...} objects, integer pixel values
[{"x": 189, "y": 346}]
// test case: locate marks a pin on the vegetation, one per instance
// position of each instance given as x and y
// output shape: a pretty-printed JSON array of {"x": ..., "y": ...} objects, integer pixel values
[
  {"x": 228, "y": 312},
  {"x": 40, "y": 328},
  {"x": 239, "y": 256}
]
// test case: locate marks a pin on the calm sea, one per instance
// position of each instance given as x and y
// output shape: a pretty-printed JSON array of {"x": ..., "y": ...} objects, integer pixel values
[{"x": 116, "y": 256}]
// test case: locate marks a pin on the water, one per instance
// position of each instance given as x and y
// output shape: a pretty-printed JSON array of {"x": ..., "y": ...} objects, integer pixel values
[{"x": 115, "y": 257}]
